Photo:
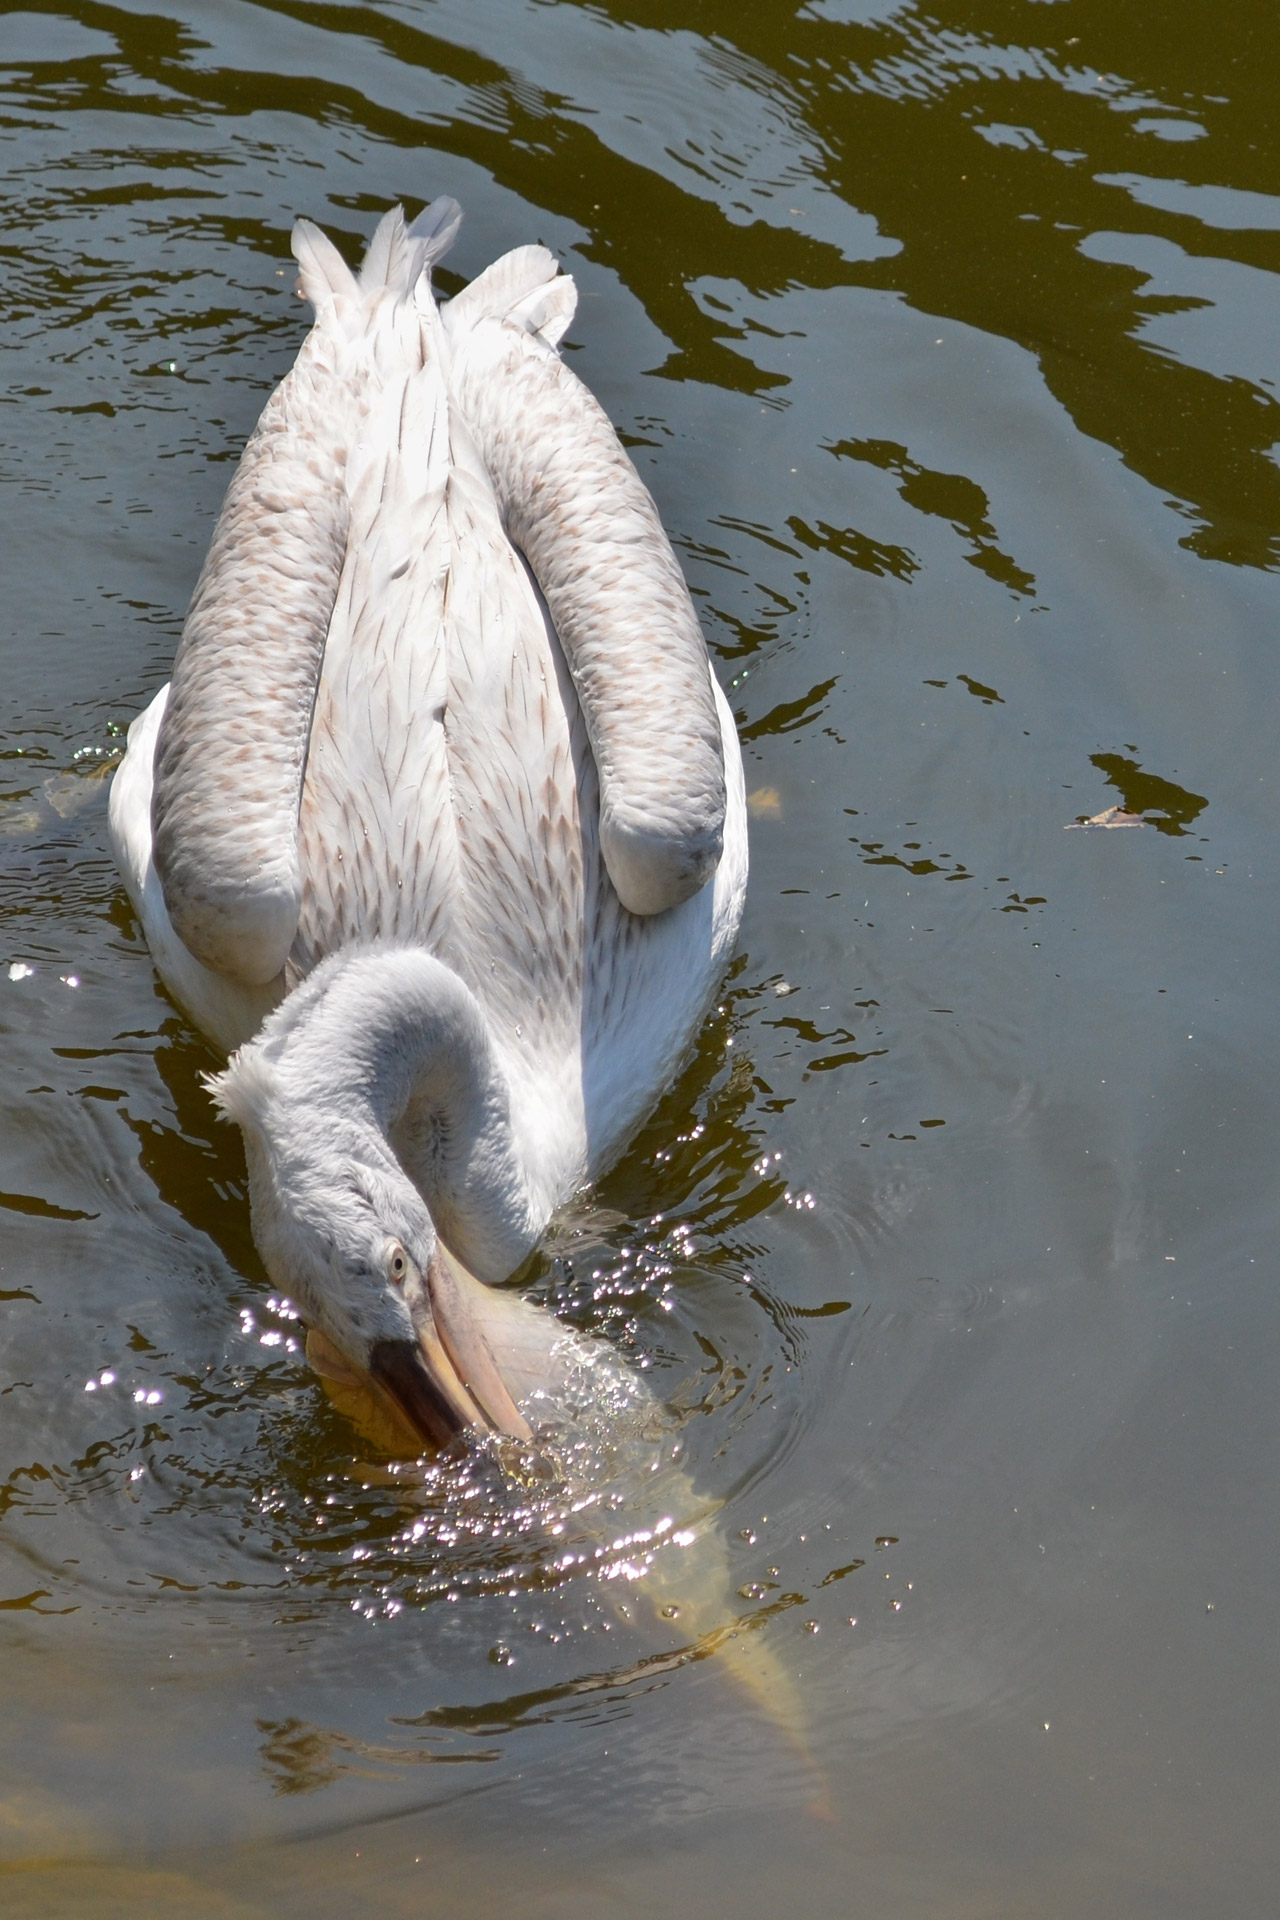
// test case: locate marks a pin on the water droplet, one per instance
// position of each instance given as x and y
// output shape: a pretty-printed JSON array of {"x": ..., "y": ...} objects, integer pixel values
[
  {"x": 501, "y": 1656},
  {"x": 886, "y": 1540},
  {"x": 811, "y": 1626},
  {"x": 896, "y": 1605},
  {"x": 670, "y": 1613}
]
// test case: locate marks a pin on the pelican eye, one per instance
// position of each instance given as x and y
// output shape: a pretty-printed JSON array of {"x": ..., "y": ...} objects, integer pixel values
[{"x": 399, "y": 1266}]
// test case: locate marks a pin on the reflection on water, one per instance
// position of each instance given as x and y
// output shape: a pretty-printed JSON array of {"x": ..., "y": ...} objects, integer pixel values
[
  {"x": 935, "y": 1303},
  {"x": 1173, "y": 807}
]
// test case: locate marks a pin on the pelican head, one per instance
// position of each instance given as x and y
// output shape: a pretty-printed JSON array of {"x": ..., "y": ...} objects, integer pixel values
[{"x": 342, "y": 1229}]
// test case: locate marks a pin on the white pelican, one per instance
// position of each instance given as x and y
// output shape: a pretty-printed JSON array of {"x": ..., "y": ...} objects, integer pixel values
[{"x": 441, "y": 819}]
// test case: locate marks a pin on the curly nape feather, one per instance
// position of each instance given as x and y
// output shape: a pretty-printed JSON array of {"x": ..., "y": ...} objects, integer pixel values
[{"x": 243, "y": 1089}]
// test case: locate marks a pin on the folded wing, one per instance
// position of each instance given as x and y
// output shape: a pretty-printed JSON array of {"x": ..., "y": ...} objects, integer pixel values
[
  {"x": 574, "y": 504},
  {"x": 233, "y": 747}
]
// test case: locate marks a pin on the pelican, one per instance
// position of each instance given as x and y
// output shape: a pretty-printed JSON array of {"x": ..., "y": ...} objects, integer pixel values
[{"x": 439, "y": 828}]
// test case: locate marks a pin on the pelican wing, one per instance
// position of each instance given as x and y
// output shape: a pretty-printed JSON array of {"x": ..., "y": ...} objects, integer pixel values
[
  {"x": 574, "y": 504},
  {"x": 233, "y": 746}
]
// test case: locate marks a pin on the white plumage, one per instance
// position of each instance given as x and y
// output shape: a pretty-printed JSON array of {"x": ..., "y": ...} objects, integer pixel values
[{"x": 365, "y": 825}]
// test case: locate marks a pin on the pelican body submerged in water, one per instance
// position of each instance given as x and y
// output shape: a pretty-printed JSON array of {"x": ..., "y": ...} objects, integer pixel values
[{"x": 440, "y": 822}]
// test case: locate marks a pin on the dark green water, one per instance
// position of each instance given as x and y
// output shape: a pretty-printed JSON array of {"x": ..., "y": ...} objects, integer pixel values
[{"x": 948, "y": 341}]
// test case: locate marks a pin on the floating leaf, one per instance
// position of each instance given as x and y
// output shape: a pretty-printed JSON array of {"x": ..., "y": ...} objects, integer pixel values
[{"x": 1109, "y": 817}]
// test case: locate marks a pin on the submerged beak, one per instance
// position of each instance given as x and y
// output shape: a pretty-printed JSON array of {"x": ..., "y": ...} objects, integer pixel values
[
  {"x": 446, "y": 1382},
  {"x": 433, "y": 1402}
]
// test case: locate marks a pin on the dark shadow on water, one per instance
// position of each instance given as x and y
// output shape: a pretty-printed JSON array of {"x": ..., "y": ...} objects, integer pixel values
[{"x": 1168, "y": 807}]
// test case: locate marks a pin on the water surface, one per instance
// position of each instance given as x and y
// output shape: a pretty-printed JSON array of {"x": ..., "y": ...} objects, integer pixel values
[{"x": 947, "y": 341}]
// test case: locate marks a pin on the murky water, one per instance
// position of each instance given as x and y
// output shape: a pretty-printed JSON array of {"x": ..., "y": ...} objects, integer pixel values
[{"x": 948, "y": 341}]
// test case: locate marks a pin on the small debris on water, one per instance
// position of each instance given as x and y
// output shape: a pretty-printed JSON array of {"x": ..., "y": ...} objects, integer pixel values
[{"x": 1109, "y": 817}]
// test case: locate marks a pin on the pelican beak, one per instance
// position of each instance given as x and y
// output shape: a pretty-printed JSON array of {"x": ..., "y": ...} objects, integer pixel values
[
  {"x": 429, "y": 1397},
  {"x": 427, "y": 1390},
  {"x": 457, "y": 1349}
]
